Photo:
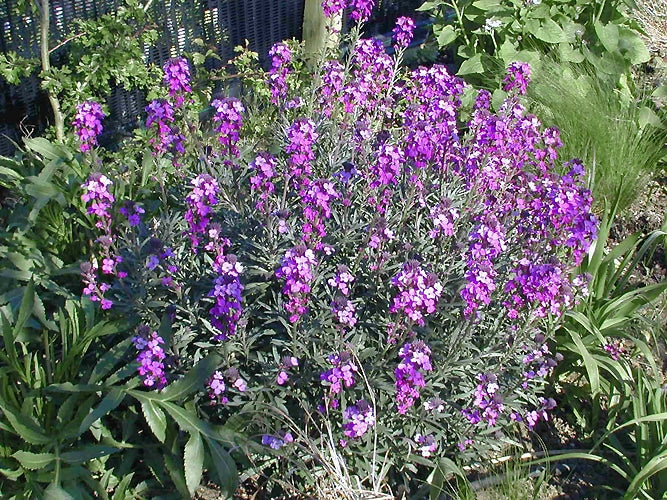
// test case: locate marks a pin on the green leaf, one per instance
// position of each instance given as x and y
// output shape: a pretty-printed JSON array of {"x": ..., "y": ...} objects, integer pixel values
[
  {"x": 109, "y": 403},
  {"x": 33, "y": 461},
  {"x": 648, "y": 117},
  {"x": 25, "y": 311},
  {"x": 87, "y": 453},
  {"x": 632, "y": 46},
  {"x": 608, "y": 35},
  {"x": 224, "y": 468},
  {"x": 55, "y": 492},
  {"x": 569, "y": 53},
  {"x": 445, "y": 35},
  {"x": 487, "y": 5},
  {"x": 193, "y": 380},
  {"x": 108, "y": 361},
  {"x": 549, "y": 31},
  {"x": 155, "y": 418},
  {"x": 472, "y": 65},
  {"x": 25, "y": 426},
  {"x": 589, "y": 362},
  {"x": 43, "y": 147},
  {"x": 660, "y": 92},
  {"x": 193, "y": 462}
]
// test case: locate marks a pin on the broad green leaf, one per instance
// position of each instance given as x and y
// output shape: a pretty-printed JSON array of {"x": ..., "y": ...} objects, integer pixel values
[
  {"x": 155, "y": 418},
  {"x": 33, "y": 461},
  {"x": 224, "y": 468},
  {"x": 487, "y": 5},
  {"x": 445, "y": 35},
  {"x": 109, "y": 403},
  {"x": 549, "y": 31},
  {"x": 660, "y": 92},
  {"x": 608, "y": 35},
  {"x": 570, "y": 54},
  {"x": 193, "y": 462},
  {"x": 55, "y": 492},
  {"x": 632, "y": 46},
  {"x": 648, "y": 117},
  {"x": 472, "y": 65},
  {"x": 25, "y": 426},
  {"x": 86, "y": 453},
  {"x": 43, "y": 147},
  {"x": 193, "y": 380}
]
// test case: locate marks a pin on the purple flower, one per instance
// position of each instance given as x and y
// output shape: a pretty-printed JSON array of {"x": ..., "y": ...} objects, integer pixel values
[
  {"x": 150, "y": 358},
  {"x": 415, "y": 358},
  {"x": 177, "y": 78},
  {"x": 418, "y": 292},
  {"x": 333, "y": 7},
  {"x": 342, "y": 373},
  {"x": 361, "y": 10},
  {"x": 427, "y": 444},
  {"x": 277, "y": 442},
  {"x": 229, "y": 119},
  {"x": 488, "y": 403},
  {"x": 517, "y": 78},
  {"x": 227, "y": 292},
  {"x": 132, "y": 211},
  {"x": 201, "y": 200},
  {"x": 342, "y": 280},
  {"x": 160, "y": 118},
  {"x": 359, "y": 419},
  {"x": 403, "y": 32},
  {"x": 297, "y": 269},
  {"x": 281, "y": 55},
  {"x": 301, "y": 137},
  {"x": 88, "y": 124}
]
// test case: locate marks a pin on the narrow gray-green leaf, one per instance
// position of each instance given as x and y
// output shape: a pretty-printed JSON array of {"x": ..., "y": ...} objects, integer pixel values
[{"x": 193, "y": 462}]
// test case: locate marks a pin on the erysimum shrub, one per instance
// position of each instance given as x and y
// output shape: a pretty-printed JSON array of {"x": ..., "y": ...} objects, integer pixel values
[{"x": 363, "y": 259}]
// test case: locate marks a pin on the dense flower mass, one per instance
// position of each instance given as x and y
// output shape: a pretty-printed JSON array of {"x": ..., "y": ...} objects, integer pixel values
[
  {"x": 160, "y": 118},
  {"x": 297, "y": 269},
  {"x": 151, "y": 358},
  {"x": 342, "y": 373},
  {"x": 419, "y": 292},
  {"x": 359, "y": 419},
  {"x": 415, "y": 359},
  {"x": 177, "y": 79},
  {"x": 301, "y": 137},
  {"x": 488, "y": 403},
  {"x": 404, "y": 32},
  {"x": 88, "y": 124},
  {"x": 229, "y": 119},
  {"x": 281, "y": 55},
  {"x": 227, "y": 292},
  {"x": 201, "y": 200}
]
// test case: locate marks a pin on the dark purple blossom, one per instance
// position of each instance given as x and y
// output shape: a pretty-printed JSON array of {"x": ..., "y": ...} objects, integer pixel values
[
  {"x": 517, "y": 78},
  {"x": 297, "y": 268},
  {"x": 341, "y": 374},
  {"x": 150, "y": 358},
  {"x": 403, "y": 32},
  {"x": 88, "y": 124},
  {"x": 281, "y": 55},
  {"x": 418, "y": 292},
  {"x": 359, "y": 419},
  {"x": 177, "y": 78},
  {"x": 415, "y": 359},
  {"x": 201, "y": 200},
  {"x": 229, "y": 120}
]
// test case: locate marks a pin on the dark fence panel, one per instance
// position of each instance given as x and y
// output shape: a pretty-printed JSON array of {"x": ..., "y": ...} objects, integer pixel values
[{"x": 223, "y": 24}]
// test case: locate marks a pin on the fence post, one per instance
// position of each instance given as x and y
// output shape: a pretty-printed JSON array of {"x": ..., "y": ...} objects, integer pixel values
[
  {"x": 315, "y": 34},
  {"x": 46, "y": 67}
]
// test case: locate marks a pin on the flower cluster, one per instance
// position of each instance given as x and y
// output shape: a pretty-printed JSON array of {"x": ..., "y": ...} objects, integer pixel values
[
  {"x": 418, "y": 292},
  {"x": 160, "y": 116},
  {"x": 301, "y": 137},
  {"x": 359, "y": 419},
  {"x": 488, "y": 403},
  {"x": 281, "y": 55},
  {"x": 342, "y": 280},
  {"x": 217, "y": 388},
  {"x": 132, "y": 211},
  {"x": 538, "y": 361},
  {"x": 517, "y": 78},
  {"x": 278, "y": 441},
  {"x": 540, "y": 413},
  {"x": 265, "y": 166},
  {"x": 333, "y": 7},
  {"x": 88, "y": 124},
  {"x": 201, "y": 201},
  {"x": 316, "y": 198},
  {"x": 227, "y": 292},
  {"x": 444, "y": 216},
  {"x": 229, "y": 119},
  {"x": 151, "y": 358},
  {"x": 286, "y": 365},
  {"x": 404, "y": 32},
  {"x": 177, "y": 78},
  {"x": 297, "y": 269},
  {"x": 100, "y": 201},
  {"x": 415, "y": 358},
  {"x": 342, "y": 373},
  {"x": 361, "y": 10},
  {"x": 426, "y": 444}
]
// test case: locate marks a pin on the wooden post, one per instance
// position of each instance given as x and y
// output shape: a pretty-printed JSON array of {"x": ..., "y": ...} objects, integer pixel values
[
  {"x": 46, "y": 67},
  {"x": 315, "y": 34}
]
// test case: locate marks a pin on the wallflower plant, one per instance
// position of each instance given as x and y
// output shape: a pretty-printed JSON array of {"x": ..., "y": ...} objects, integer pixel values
[{"x": 347, "y": 224}]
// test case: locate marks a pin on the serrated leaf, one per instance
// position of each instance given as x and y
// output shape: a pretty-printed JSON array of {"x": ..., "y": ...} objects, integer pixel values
[
  {"x": 109, "y": 403},
  {"x": 33, "y": 461},
  {"x": 25, "y": 427},
  {"x": 55, "y": 492},
  {"x": 224, "y": 468},
  {"x": 86, "y": 453},
  {"x": 193, "y": 462},
  {"x": 155, "y": 418},
  {"x": 193, "y": 380}
]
